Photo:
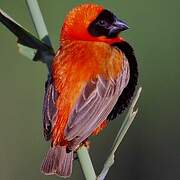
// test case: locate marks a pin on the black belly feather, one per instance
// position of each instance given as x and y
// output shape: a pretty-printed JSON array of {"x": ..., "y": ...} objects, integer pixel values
[{"x": 127, "y": 94}]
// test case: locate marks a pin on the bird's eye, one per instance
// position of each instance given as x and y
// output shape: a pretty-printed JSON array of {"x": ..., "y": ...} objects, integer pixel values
[{"x": 102, "y": 22}]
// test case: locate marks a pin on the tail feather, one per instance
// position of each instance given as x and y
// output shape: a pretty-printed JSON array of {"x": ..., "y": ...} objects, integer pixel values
[{"x": 58, "y": 161}]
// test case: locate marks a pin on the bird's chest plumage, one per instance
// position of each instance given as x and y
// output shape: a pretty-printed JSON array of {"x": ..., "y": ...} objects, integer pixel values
[{"x": 75, "y": 64}]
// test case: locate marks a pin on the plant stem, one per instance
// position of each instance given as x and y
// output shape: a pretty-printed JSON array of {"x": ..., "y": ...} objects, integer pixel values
[
  {"x": 122, "y": 132},
  {"x": 39, "y": 24},
  {"x": 38, "y": 20},
  {"x": 86, "y": 163}
]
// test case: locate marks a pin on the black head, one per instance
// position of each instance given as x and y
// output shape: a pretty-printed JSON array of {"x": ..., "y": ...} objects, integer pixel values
[{"x": 107, "y": 24}]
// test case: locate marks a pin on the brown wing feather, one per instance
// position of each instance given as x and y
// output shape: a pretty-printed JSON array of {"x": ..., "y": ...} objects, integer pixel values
[
  {"x": 94, "y": 105},
  {"x": 49, "y": 108}
]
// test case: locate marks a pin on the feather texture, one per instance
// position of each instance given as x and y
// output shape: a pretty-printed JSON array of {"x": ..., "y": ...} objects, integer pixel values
[
  {"x": 126, "y": 96},
  {"x": 94, "y": 66},
  {"x": 90, "y": 111},
  {"x": 49, "y": 108}
]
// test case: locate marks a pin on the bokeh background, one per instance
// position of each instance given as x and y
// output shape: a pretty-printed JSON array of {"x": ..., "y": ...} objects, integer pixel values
[{"x": 151, "y": 148}]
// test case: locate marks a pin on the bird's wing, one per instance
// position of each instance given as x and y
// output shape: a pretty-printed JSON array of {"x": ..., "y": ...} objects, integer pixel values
[
  {"x": 94, "y": 105},
  {"x": 49, "y": 108}
]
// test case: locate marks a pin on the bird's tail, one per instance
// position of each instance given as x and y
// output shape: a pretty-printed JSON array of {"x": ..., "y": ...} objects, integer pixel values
[{"x": 58, "y": 161}]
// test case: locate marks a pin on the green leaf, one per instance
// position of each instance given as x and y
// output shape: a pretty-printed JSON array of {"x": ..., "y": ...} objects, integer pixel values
[
  {"x": 43, "y": 53},
  {"x": 26, "y": 51}
]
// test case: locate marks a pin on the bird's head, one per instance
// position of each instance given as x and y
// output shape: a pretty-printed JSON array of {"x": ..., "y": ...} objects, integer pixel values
[{"x": 91, "y": 22}]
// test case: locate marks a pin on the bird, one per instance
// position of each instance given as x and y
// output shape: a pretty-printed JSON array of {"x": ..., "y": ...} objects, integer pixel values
[{"x": 91, "y": 80}]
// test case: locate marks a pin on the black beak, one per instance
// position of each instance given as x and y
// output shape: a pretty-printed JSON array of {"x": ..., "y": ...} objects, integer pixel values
[
  {"x": 117, "y": 27},
  {"x": 120, "y": 25}
]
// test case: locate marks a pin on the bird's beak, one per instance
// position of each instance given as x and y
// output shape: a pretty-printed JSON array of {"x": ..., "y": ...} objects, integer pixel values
[
  {"x": 120, "y": 25},
  {"x": 117, "y": 27}
]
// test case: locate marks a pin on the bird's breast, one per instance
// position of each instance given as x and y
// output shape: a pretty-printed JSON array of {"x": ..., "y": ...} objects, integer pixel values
[{"x": 77, "y": 62}]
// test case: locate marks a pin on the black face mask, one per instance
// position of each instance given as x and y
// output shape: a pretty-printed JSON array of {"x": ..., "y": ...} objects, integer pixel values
[{"x": 107, "y": 24}]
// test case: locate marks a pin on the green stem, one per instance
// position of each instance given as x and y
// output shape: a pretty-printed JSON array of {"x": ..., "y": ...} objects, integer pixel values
[
  {"x": 86, "y": 163},
  {"x": 38, "y": 20},
  {"x": 122, "y": 132},
  {"x": 39, "y": 24}
]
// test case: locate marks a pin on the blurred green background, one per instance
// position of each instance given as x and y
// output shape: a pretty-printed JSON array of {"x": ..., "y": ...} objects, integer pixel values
[{"x": 151, "y": 148}]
